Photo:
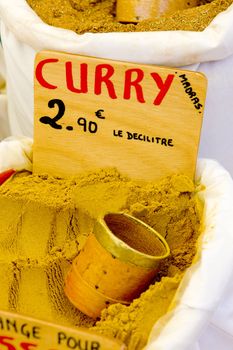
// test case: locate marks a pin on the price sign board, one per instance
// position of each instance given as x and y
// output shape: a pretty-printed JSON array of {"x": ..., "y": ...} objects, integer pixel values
[
  {"x": 92, "y": 113},
  {"x": 23, "y": 333}
]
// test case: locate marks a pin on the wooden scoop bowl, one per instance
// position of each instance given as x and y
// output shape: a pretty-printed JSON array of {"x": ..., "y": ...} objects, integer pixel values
[{"x": 133, "y": 11}]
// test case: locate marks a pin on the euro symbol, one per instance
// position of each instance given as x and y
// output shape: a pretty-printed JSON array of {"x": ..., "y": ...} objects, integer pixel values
[{"x": 99, "y": 114}]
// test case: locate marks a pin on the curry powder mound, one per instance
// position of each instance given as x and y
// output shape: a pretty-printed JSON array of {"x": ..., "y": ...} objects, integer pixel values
[
  {"x": 98, "y": 16},
  {"x": 45, "y": 222}
]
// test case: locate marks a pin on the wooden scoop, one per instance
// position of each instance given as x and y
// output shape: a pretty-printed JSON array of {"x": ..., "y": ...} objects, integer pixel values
[
  {"x": 119, "y": 260},
  {"x": 138, "y": 10}
]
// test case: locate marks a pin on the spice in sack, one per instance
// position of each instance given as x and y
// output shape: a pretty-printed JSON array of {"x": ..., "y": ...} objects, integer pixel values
[
  {"x": 97, "y": 16},
  {"x": 45, "y": 222}
]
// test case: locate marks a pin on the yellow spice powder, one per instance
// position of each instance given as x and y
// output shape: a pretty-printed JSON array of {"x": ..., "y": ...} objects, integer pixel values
[
  {"x": 45, "y": 222},
  {"x": 133, "y": 324},
  {"x": 96, "y": 16}
]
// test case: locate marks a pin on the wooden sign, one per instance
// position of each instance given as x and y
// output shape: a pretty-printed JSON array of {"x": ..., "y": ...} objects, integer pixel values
[
  {"x": 92, "y": 113},
  {"x": 23, "y": 333}
]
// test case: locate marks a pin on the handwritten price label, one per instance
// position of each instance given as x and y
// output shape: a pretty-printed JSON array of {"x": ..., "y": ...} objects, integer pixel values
[
  {"x": 92, "y": 113},
  {"x": 87, "y": 126},
  {"x": 22, "y": 333}
]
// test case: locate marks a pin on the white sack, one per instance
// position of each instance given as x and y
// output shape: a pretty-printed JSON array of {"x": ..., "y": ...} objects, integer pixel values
[
  {"x": 206, "y": 283},
  {"x": 16, "y": 153},
  {"x": 202, "y": 304},
  {"x": 210, "y": 51}
]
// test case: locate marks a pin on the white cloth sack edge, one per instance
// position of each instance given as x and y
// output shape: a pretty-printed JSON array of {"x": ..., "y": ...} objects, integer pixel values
[
  {"x": 16, "y": 153},
  {"x": 174, "y": 48},
  {"x": 204, "y": 284}
]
